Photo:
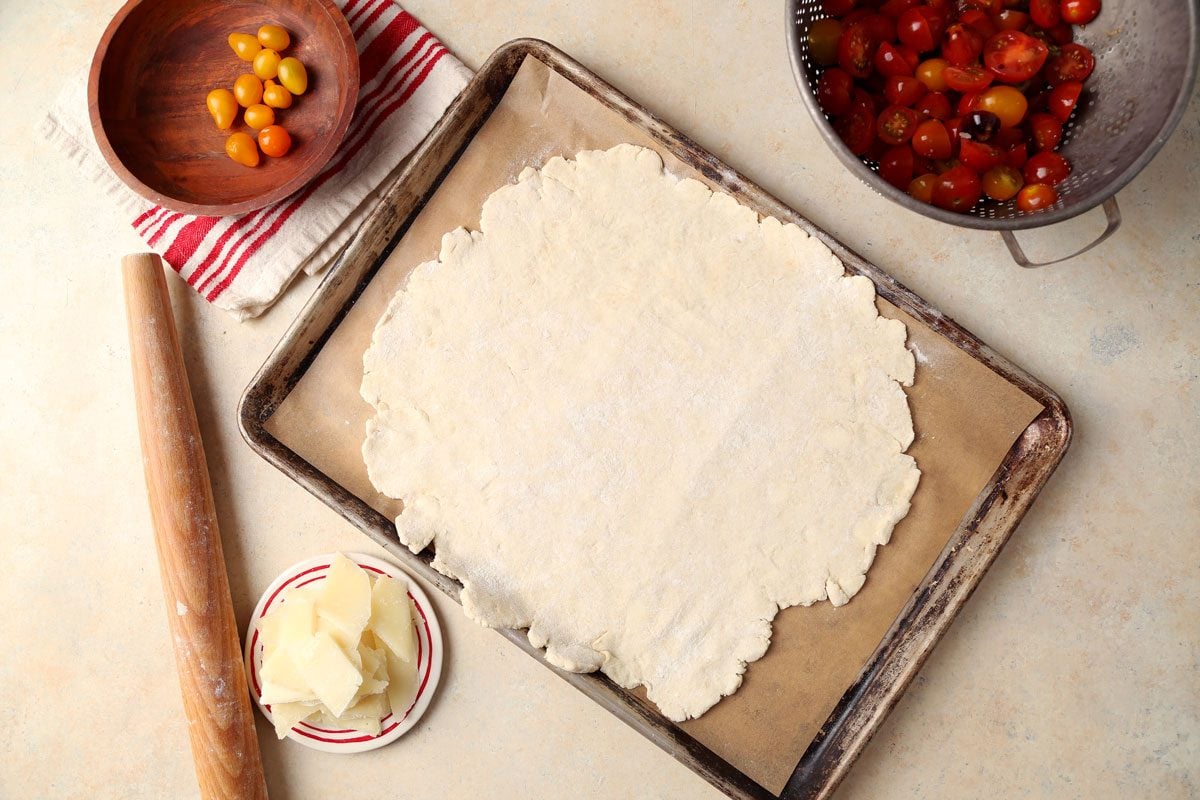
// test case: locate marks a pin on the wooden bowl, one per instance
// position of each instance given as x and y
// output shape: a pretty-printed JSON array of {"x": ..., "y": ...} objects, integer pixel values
[{"x": 156, "y": 64}]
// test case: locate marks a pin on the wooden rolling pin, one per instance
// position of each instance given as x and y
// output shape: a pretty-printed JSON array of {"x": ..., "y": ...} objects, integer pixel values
[{"x": 195, "y": 586}]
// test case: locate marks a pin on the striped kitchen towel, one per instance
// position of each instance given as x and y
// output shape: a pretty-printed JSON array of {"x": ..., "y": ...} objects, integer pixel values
[{"x": 242, "y": 264}]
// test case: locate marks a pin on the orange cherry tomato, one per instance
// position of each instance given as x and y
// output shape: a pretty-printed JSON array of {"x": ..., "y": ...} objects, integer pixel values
[
  {"x": 223, "y": 107},
  {"x": 274, "y": 140},
  {"x": 1002, "y": 183},
  {"x": 245, "y": 45},
  {"x": 823, "y": 37},
  {"x": 1036, "y": 196},
  {"x": 921, "y": 187},
  {"x": 274, "y": 37},
  {"x": 276, "y": 96},
  {"x": 929, "y": 72},
  {"x": 293, "y": 76},
  {"x": 248, "y": 90},
  {"x": 1006, "y": 102},
  {"x": 266, "y": 64},
  {"x": 259, "y": 116},
  {"x": 241, "y": 148}
]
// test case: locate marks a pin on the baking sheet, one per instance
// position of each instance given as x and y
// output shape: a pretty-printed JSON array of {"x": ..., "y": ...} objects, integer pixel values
[{"x": 965, "y": 415}]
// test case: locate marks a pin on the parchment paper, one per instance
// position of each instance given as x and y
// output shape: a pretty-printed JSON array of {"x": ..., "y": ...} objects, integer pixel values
[{"x": 966, "y": 418}]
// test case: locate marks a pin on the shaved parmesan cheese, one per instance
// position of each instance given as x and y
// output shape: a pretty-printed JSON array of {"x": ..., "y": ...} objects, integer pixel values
[
  {"x": 286, "y": 716},
  {"x": 345, "y": 599},
  {"x": 332, "y": 676},
  {"x": 282, "y": 681},
  {"x": 339, "y": 652},
  {"x": 402, "y": 683},
  {"x": 391, "y": 618}
]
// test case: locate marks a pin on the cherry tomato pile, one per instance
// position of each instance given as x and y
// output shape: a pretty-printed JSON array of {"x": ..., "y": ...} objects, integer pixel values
[
  {"x": 955, "y": 100},
  {"x": 258, "y": 98}
]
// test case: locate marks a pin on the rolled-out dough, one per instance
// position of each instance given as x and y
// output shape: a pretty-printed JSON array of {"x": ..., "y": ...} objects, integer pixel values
[{"x": 637, "y": 420}]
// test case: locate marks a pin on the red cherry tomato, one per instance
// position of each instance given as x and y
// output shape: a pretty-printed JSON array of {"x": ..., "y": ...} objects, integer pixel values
[
  {"x": 896, "y": 166},
  {"x": 1062, "y": 33},
  {"x": 856, "y": 50},
  {"x": 871, "y": 102},
  {"x": 1017, "y": 155},
  {"x": 1011, "y": 20},
  {"x": 933, "y": 104},
  {"x": 891, "y": 61},
  {"x": 978, "y": 156},
  {"x": 1063, "y": 98},
  {"x": 1045, "y": 13},
  {"x": 894, "y": 8},
  {"x": 823, "y": 37},
  {"x": 967, "y": 103},
  {"x": 957, "y": 189},
  {"x": 1079, "y": 12},
  {"x": 921, "y": 187},
  {"x": 857, "y": 129},
  {"x": 954, "y": 127},
  {"x": 919, "y": 28},
  {"x": 1014, "y": 57},
  {"x": 1074, "y": 62},
  {"x": 881, "y": 28},
  {"x": 1008, "y": 138},
  {"x": 896, "y": 124},
  {"x": 961, "y": 45},
  {"x": 1036, "y": 196},
  {"x": 1002, "y": 183},
  {"x": 979, "y": 21},
  {"x": 838, "y": 8},
  {"x": 1046, "y": 130},
  {"x": 972, "y": 78},
  {"x": 1047, "y": 167},
  {"x": 903, "y": 90},
  {"x": 932, "y": 140},
  {"x": 833, "y": 91}
]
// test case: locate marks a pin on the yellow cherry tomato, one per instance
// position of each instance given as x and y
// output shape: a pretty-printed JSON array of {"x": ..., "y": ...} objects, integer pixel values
[
  {"x": 292, "y": 75},
  {"x": 274, "y": 37},
  {"x": 223, "y": 107},
  {"x": 276, "y": 96},
  {"x": 259, "y": 116},
  {"x": 274, "y": 140},
  {"x": 245, "y": 45},
  {"x": 248, "y": 90},
  {"x": 266, "y": 64},
  {"x": 241, "y": 148}
]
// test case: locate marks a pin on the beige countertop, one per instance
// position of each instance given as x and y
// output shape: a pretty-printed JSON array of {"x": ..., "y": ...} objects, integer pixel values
[{"x": 1073, "y": 672}]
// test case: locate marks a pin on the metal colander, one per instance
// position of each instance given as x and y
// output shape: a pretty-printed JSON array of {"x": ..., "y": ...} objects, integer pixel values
[{"x": 1146, "y": 54}]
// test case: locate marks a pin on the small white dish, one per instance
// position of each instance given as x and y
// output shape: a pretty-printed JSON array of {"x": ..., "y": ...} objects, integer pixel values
[{"x": 429, "y": 656}]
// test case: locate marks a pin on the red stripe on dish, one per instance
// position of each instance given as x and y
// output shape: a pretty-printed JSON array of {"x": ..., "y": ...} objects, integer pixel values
[
  {"x": 420, "y": 652},
  {"x": 438, "y": 51}
]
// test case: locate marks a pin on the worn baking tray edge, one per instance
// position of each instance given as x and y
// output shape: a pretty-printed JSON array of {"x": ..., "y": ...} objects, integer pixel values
[{"x": 969, "y": 553}]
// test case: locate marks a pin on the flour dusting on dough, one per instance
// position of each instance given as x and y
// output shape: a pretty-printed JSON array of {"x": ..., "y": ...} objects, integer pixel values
[{"x": 637, "y": 420}]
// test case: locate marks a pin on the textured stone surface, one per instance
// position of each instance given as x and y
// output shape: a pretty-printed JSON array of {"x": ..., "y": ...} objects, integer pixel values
[{"x": 1072, "y": 672}]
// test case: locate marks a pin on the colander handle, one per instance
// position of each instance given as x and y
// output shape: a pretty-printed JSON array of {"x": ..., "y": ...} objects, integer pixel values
[{"x": 1112, "y": 213}]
